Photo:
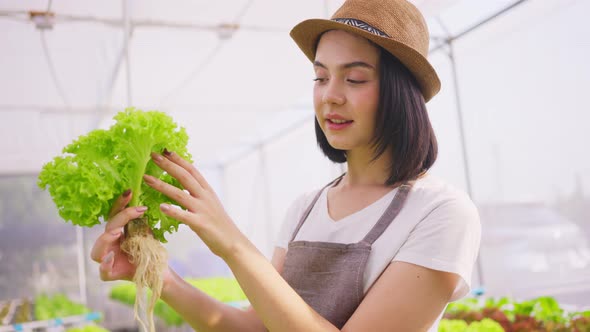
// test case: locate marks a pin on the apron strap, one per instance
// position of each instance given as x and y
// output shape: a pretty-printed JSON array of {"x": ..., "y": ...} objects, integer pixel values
[
  {"x": 390, "y": 213},
  {"x": 310, "y": 207}
]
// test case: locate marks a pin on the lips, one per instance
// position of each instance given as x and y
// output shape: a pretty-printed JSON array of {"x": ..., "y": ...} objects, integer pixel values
[
  {"x": 339, "y": 121},
  {"x": 336, "y": 118},
  {"x": 338, "y": 124}
]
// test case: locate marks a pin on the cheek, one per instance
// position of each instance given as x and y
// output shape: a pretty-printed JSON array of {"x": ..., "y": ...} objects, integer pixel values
[
  {"x": 369, "y": 99},
  {"x": 317, "y": 99},
  {"x": 317, "y": 96}
]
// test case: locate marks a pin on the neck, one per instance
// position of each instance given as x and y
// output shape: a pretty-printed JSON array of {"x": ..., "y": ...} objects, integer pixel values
[{"x": 363, "y": 171}]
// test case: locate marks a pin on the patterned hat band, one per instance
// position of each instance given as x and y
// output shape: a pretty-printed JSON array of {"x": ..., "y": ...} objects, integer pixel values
[
  {"x": 361, "y": 25},
  {"x": 397, "y": 26}
]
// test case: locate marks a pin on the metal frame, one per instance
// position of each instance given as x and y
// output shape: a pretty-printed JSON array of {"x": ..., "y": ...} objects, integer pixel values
[{"x": 445, "y": 44}]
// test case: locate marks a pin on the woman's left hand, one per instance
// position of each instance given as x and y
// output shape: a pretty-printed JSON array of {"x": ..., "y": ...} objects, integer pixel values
[{"x": 203, "y": 213}]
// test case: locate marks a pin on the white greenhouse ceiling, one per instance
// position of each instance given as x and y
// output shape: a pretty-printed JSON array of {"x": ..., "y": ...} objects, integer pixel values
[{"x": 226, "y": 70}]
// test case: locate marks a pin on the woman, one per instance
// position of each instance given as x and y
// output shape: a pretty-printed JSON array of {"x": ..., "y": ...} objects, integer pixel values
[{"x": 382, "y": 248}]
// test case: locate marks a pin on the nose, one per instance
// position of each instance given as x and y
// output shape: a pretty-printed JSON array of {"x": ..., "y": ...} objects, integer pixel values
[{"x": 333, "y": 93}]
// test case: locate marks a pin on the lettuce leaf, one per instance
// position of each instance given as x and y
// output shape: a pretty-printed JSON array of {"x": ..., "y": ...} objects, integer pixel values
[{"x": 96, "y": 168}]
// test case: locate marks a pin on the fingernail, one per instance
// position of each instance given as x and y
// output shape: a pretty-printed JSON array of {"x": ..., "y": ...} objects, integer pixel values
[
  {"x": 141, "y": 208},
  {"x": 164, "y": 207},
  {"x": 126, "y": 193},
  {"x": 157, "y": 157},
  {"x": 109, "y": 257},
  {"x": 149, "y": 179},
  {"x": 166, "y": 152}
]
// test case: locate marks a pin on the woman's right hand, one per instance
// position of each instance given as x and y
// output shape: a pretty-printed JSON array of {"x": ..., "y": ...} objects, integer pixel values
[{"x": 114, "y": 264}]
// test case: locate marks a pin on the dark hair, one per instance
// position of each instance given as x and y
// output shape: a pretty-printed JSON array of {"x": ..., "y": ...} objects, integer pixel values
[{"x": 402, "y": 124}]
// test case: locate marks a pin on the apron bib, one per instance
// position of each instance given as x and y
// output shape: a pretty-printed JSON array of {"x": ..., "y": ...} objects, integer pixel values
[{"x": 329, "y": 276}]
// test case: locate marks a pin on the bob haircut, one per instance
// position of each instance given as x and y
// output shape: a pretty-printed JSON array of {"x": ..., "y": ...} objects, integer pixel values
[{"x": 403, "y": 127}]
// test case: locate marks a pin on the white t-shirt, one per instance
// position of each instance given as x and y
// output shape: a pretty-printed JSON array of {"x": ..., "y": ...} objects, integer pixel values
[{"x": 437, "y": 228}]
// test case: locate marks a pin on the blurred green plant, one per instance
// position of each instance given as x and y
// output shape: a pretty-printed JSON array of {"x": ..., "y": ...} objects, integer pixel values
[
  {"x": 539, "y": 314},
  {"x": 485, "y": 325},
  {"x": 220, "y": 288},
  {"x": 457, "y": 325},
  {"x": 56, "y": 306},
  {"x": 452, "y": 325},
  {"x": 87, "y": 328}
]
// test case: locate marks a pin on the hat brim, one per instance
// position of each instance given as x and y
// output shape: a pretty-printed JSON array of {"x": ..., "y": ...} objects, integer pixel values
[{"x": 307, "y": 33}]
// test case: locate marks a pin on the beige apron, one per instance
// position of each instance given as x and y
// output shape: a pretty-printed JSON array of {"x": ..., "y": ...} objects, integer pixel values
[{"x": 329, "y": 276}]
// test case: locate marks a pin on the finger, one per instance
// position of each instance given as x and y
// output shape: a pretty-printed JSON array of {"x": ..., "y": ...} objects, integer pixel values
[
  {"x": 188, "y": 181},
  {"x": 116, "y": 223},
  {"x": 104, "y": 241},
  {"x": 181, "y": 215},
  {"x": 176, "y": 194},
  {"x": 108, "y": 271},
  {"x": 190, "y": 168},
  {"x": 120, "y": 203}
]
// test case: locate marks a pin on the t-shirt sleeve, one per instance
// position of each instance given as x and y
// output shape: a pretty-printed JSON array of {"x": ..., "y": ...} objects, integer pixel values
[
  {"x": 447, "y": 239},
  {"x": 294, "y": 213}
]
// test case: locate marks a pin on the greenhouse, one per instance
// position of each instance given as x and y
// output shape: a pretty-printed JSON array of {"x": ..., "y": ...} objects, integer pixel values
[{"x": 511, "y": 122}]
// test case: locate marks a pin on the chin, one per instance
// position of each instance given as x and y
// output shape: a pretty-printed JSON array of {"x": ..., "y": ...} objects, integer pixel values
[{"x": 339, "y": 145}]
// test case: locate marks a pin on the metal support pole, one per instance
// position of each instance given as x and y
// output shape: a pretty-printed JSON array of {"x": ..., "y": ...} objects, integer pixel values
[
  {"x": 460, "y": 120},
  {"x": 81, "y": 264},
  {"x": 265, "y": 196},
  {"x": 477, "y": 25},
  {"x": 127, "y": 32},
  {"x": 451, "y": 56}
]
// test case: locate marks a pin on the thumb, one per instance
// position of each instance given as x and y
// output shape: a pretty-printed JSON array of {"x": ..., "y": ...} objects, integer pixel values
[{"x": 106, "y": 266}]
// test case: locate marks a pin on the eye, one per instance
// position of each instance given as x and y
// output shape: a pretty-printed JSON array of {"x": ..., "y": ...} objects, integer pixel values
[
  {"x": 320, "y": 79},
  {"x": 356, "y": 81}
]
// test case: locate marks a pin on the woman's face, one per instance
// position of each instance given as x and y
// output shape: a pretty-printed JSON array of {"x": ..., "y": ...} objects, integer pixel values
[{"x": 346, "y": 91}]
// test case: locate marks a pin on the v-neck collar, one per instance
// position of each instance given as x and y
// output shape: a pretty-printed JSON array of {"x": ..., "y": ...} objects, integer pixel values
[{"x": 325, "y": 213}]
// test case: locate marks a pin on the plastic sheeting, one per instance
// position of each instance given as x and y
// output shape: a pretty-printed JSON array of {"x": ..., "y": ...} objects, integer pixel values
[
  {"x": 185, "y": 58},
  {"x": 245, "y": 99}
]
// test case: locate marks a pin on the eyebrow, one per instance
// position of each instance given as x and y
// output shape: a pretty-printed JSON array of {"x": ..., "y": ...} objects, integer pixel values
[{"x": 346, "y": 65}]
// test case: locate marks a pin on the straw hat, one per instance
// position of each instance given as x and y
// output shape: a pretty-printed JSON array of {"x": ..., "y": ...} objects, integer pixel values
[{"x": 395, "y": 25}]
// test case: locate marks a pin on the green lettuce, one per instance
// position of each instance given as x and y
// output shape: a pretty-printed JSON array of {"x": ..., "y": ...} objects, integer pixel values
[
  {"x": 457, "y": 325},
  {"x": 56, "y": 306},
  {"x": 485, "y": 325},
  {"x": 96, "y": 168},
  {"x": 452, "y": 325}
]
